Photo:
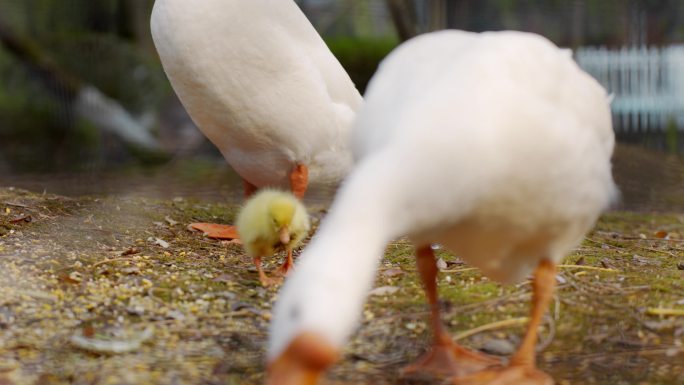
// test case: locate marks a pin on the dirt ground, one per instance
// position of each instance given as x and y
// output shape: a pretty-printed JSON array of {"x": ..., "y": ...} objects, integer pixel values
[{"x": 113, "y": 289}]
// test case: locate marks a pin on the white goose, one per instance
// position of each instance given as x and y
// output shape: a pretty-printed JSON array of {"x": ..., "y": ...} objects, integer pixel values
[
  {"x": 261, "y": 84},
  {"x": 495, "y": 145}
]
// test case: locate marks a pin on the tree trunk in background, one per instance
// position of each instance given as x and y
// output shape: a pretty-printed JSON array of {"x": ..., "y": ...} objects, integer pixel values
[
  {"x": 404, "y": 17},
  {"x": 577, "y": 29},
  {"x": 48, "y": 72},
  {"x": 81, "y": 99},
  {"x": 438, "y": 15},
  {"x": 134, "y": 22},
  {"x": 406, "y": 21},
  {"x": 304, "y": 6}
]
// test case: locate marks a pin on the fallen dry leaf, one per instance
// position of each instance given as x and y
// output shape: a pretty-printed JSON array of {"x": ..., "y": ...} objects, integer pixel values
[
  {"x": 384, "y": 290},
  {"x": 161, "y": 242},
  {"x": 22, "y": 219},
  {"x": 74, "y": 277},
  {"x": 131, "y": 270},
  {"x": 170, "y": 221},
  {"x": 111, "y": 346},
  {"x": 130, "y": 251},
  {"x": 215, "y": 230}
]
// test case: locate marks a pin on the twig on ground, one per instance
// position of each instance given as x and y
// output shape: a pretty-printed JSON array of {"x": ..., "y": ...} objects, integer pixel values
[
  {"x": 656, "y": 250},
  {"x": 664, "y": 311},
  {"x": 603, "y": 243},
  {"x": 645, "y": 351},
  {"x": 15, "y": 204},
  {"x": 491, "y": 326},
  {"x": 586, "y": 267},
  {"x": 459, "y": 270},
  {"x": 651, "y": 239},
  {"x": 549, "y": 338},
  {"x": 121, "y": 259}
]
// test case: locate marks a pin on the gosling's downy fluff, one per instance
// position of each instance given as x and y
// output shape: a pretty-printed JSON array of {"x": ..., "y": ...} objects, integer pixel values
[{"x": 272, "y": 221}]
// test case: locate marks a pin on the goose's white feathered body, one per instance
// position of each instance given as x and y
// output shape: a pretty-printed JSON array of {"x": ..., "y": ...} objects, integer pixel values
[
  {"x": 505, "y": 144},
  {"x": 495, "y": 145},
  {"x": 261, "y": 84}
]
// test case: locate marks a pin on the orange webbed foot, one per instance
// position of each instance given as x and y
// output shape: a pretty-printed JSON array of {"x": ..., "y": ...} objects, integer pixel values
[
  {"x": 286, "y": 267},
  {"x": 215, "y": 230},
  {"x": 270, "y": 281},
  {"x": 451, "y": 359},
  {"x": 511, "y": 375},
  {"x": 283, "y": 270}
]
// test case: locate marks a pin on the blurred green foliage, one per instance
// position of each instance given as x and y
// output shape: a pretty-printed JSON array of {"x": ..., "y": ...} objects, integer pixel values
[
  {"x": 361, "y": 56},
  {"x": 672, "y": 137},
  {"x": 569, "y": 23},
  {"x": 93, "y": 41},
  {"x": 106, "y": 43}
]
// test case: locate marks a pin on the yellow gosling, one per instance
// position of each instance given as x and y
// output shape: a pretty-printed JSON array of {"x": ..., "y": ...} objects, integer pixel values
[{"x": 269, "y": 222}]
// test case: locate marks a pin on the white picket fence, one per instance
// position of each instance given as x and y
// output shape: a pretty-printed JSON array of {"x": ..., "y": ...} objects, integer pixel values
[{"x": 647, "y": 83}]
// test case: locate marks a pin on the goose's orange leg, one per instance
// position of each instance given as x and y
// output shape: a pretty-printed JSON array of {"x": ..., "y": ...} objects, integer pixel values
[
  {"x": 287, "y": 266},
  {"x": 217, "y": 231},
  {"x": 263, "y": 278},
  {"x": 522, "y": 369},
  {"x": 299, "y": 180},
  {"x": 445, "y": 357},
  {"x": 249, "y": 188}
]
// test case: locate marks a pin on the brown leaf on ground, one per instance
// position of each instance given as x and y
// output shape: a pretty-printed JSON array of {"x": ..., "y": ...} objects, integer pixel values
[
  {"x": 22, "y": 219},
  {"x": 215, "y": 230},
  {"x": 73, "y": 278},
  {"x": 130, "y": 251}
]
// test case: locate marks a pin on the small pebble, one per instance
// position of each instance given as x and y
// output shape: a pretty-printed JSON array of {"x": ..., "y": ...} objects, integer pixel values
[{"x": 499, "y": 347}]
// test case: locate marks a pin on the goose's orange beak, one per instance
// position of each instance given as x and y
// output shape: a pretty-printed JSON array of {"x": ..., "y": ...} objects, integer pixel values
[
  {"x": 303, "y": 361},
  {"x": 284, "y": 235}
]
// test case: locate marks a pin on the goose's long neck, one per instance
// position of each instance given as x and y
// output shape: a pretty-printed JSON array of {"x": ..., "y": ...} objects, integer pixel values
[
  {"x": 336, "y": 270},
  {"x": 361, "y": 218}
]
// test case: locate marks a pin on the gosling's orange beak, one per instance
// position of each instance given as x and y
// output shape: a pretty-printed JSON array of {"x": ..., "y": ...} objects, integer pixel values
[
  {"x": 284, "y": 234},
  {"x": 303, "y": 362}
]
